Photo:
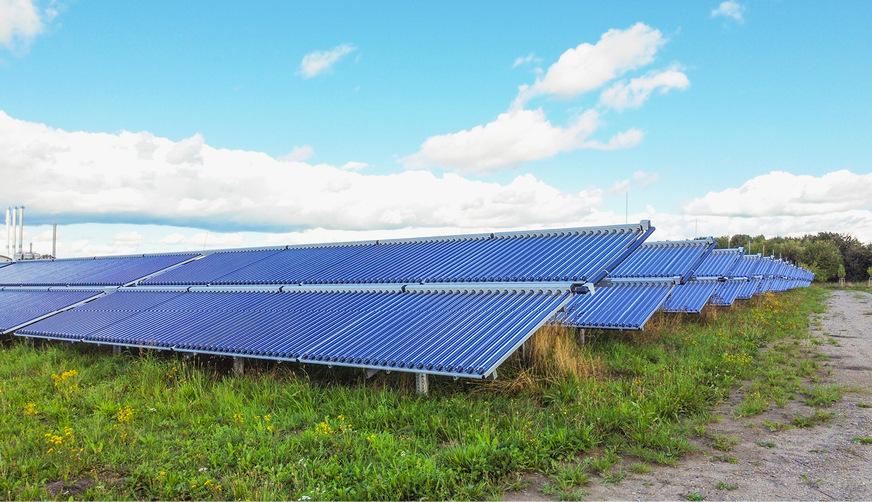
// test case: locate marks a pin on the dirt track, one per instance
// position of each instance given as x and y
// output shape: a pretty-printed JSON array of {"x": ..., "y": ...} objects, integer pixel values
[{"x": 816, "y": 463}]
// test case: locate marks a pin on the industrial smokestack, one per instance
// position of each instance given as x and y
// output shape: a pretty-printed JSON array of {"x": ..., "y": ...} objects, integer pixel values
[
  {"x": 21, "y": 230},
  {"x": 14, "y": 232},
  {"x": 8, "y": 230}
]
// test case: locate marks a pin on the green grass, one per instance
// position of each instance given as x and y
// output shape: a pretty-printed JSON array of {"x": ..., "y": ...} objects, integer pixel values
[
  {"x": 817, "y": 418},
  {"x": 81, "y": 423},
  {"x": 824, "y": 395},
  {"x": 726, "y": 486},
  {"x": 723, "y": 443},
  {"x": 863, "y": 440},
  {"x": 640, "y": 468},
  {"x": 724, "y": 458}
]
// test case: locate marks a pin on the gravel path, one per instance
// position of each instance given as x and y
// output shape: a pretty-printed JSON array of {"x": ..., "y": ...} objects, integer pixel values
[{"x": 817, "y": 463}]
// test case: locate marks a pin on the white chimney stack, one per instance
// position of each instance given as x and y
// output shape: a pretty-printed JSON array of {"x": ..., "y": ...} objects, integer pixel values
[
  {"x": 8, "y": 231},
  {"x": 21, "y": 230},
  {"x": 14, "y": 232}
]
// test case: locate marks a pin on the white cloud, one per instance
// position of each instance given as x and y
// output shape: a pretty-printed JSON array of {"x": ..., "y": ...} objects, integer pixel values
[
  {"x": 20, "y": 22},
  {"x": 784, "y": 194},
  {"x": 639, "y": 179},
  {"x": 353, "y": 166},
  {"x": 730, "y": 9},
  {"x": 78, "y": 177},
  {"x": 514, "y": 137},
  {"x": 202, "y": 240},
  {"x": 633, "y": 94},
  {"x": 318, "y": 62},
  {"x": 299, "y": 154},
  {"x": 588, "y": 67},
  {"x": 186, "y": 151},
  {"x": 529, "y": 58},
  {"x": 521, "y": 135}
]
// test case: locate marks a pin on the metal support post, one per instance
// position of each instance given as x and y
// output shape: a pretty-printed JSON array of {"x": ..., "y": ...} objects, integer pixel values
[
  {"x": 421, "y": 384},
  {"x": 581, "y": 336},
  {"x": 116, "y": 350},
  {"x": 238, "y": 366}
]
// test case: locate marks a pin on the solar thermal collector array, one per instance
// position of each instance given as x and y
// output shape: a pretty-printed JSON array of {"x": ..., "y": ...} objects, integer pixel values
[{"x": 455, "y": 305}]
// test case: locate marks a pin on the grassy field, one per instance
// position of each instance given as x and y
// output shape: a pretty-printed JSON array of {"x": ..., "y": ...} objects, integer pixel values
[{"x": 79, "y": 422}]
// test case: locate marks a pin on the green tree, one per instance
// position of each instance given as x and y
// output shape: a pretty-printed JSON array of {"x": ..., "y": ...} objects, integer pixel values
[
  {"x": 824, "y": 258},
  {"x": 792, "y": 251}
]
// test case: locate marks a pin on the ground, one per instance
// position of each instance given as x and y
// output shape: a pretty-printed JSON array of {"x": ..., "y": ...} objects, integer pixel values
[{"x": 767, "y": 459}]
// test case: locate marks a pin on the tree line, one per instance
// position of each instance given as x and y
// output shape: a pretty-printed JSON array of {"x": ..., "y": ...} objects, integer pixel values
[{"x": 828, "y": 254}]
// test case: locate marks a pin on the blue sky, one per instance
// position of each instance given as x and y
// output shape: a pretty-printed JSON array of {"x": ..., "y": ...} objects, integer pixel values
[{"x": 163, "y": 126}]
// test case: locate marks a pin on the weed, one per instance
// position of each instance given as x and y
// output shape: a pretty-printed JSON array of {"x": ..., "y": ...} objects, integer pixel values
[
  {"x": 863, "y": 440},
  {"x": 725, "y": 459},
  {"x": 614, "y": 478},
  {"x": 571, "y": 477},
  {"x": 809, "y": 481},
  {"x": 578, "y": 494},
  {"x": 824, "y": 395},
  {"x": 817, "y": 418},
  {"x": 518, "y": 484},
  {"x": 766, "y": 444},
  {"x": 694, "y": 496},
  {"x": 864, "y": 405},
  {"x": 753, "y": 404},
  {"x": 821, "y": 451},
  {"x": 723, "y": 443},
  {"x": 639, "y": 468},
  {"x": 777, "y": 426},
  {"x": 603, "y": 463},
  {"x": 726, "y": 486}
]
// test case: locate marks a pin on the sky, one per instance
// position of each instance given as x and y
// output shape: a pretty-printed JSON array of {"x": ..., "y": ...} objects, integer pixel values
[{"x": 168, "y": 126}]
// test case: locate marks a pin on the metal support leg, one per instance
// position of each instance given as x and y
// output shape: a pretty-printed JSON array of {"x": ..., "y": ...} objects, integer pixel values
[
  {"x": 116, "y": 350},
  {"x": 421, "y": 384},
  {"x": 238, "y": 366},
  {"x": 581, "y": 337}
]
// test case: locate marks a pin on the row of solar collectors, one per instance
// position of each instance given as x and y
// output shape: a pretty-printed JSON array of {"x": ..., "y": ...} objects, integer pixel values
[
  {"x": 638, "y": 287},
  {"x": 558, "y": 255},
  {"x": 459, "y": 332},
  {"x": 751, "y": 275},
  {"x": 19, "y": 307},
  {"x": 665, "y": 259},
  {"x": 461, "y": 336},
  {"x": 573, "y": 255},
  {"x": 109, "y": 271},
  {"x": 719, "y": 277},
  {"x": 616, "y": 305}
]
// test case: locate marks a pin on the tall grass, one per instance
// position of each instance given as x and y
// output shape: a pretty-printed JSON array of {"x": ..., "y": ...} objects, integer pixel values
[{"x": 81, "y": 423}]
